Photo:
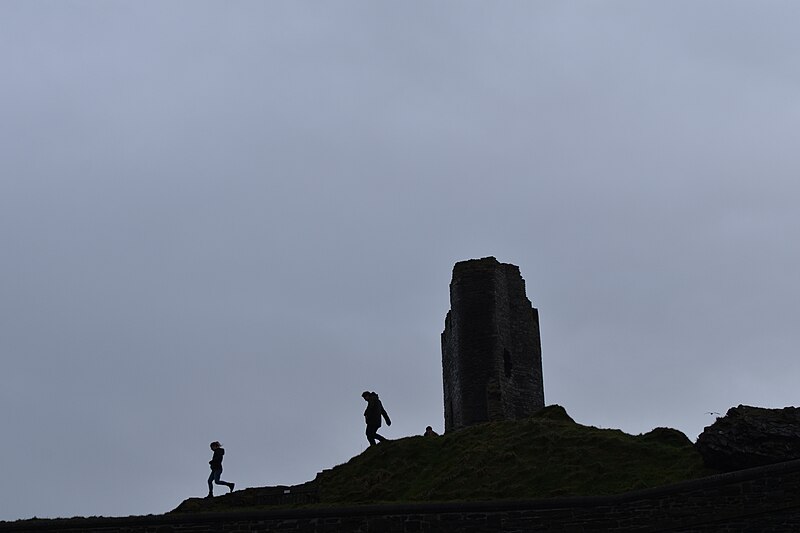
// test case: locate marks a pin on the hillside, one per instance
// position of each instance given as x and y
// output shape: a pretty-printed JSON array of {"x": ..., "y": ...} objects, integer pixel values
[{"x": 544, "y": 456}]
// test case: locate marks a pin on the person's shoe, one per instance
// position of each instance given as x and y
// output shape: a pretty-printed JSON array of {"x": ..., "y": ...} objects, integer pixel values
[
  {"x": 210, "y": 496},
  {"x": 232, "y": 485}
]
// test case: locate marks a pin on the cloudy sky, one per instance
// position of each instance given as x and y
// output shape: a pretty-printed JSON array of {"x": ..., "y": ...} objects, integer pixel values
[{"x": 224, "y": 220}]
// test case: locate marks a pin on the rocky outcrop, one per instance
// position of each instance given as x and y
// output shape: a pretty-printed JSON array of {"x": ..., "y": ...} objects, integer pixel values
[{"x": 751, "y": 436}]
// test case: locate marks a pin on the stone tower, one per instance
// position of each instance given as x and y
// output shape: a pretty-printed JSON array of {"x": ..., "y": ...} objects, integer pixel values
[{"x": 491, "y": 349}]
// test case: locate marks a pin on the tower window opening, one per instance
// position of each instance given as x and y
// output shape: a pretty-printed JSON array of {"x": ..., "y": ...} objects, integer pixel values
[{"x": 508, "y": 366}]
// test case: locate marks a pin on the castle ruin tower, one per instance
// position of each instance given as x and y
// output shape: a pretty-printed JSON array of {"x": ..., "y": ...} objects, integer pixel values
[{"x": 491, "y": 349}]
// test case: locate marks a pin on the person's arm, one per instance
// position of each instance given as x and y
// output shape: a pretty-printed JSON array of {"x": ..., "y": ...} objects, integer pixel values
[{"x": 386, "y": 417}]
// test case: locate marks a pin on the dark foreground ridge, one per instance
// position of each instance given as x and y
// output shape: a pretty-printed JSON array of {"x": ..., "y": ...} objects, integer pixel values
[
  {"x": 759, "y": 499},
  {"x": 544, "y": 473}
]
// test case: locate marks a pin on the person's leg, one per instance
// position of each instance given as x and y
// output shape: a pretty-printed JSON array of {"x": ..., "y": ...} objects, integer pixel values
[
  {"x": 214, "y": 476},
  {"x": 218, "y": 481},
  {"x": 229, "y": 485},
  {"x": 371, "y": 434},
  {"x": 380, "y": 437}
]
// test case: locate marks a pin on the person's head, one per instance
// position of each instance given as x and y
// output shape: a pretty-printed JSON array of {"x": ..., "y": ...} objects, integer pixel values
[
  {"x": 215, "y": 445},
  {"x": 366, "y": 394}
]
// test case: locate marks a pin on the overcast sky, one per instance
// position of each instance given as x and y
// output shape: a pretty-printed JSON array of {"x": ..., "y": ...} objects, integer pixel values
[{"x": 225, "y": 220}]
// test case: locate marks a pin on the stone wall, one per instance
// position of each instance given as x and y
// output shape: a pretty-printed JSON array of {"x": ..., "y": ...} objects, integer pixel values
[
  {"x": 759, "y": 499},
  {"x": 491, "y": 349}
]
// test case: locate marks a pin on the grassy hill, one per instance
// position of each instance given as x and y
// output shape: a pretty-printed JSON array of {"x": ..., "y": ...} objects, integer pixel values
[{"x": 544, "y": 456}]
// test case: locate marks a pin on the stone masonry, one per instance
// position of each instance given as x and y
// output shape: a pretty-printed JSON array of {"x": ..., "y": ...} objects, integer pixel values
[{"x": 491, "y": 349}]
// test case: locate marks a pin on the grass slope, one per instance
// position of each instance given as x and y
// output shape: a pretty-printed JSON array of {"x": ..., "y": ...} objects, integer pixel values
[{"x": 543, "y": 456}]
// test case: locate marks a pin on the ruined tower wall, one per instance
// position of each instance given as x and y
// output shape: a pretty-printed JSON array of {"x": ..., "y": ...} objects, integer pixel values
[{"x": 491, "y": 349}]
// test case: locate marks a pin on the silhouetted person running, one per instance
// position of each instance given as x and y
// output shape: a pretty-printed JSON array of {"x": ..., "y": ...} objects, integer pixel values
[
  {"x": 372, "y": 415},
  {"x": 216, "y": 469}
]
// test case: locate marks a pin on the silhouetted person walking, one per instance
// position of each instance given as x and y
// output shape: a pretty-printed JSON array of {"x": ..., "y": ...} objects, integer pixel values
[
  {"x": 372, "y": 415},
  {"x": 216, "y": 469}
]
